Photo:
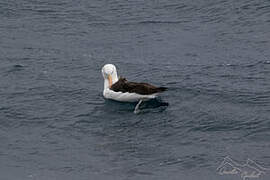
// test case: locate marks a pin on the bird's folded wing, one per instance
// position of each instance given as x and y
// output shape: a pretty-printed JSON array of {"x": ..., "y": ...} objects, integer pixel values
[{"x": 123, "y": 85}]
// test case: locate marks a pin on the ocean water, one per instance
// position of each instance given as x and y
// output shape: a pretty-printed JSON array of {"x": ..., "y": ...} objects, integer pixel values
[{"x": 213, "y": 55}]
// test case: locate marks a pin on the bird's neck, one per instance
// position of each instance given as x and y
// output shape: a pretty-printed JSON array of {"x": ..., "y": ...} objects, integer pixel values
[
  {"x": 114, "y": 80},
  {"x": 106, "y": 84}
]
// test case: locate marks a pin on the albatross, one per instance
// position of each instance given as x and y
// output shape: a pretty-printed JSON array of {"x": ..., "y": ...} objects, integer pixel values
[{"x": 119, "y": 89}]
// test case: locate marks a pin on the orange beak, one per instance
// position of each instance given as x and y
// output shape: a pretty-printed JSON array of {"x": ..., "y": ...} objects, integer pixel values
[{"x": 110, "y": 81}]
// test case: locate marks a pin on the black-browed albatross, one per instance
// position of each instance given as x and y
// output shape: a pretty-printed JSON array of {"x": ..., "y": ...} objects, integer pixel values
[{"x": 120, "y": 89}]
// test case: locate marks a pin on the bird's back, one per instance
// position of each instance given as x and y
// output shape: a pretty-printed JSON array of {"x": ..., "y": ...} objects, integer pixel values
[{"x": 122, "y": 85}]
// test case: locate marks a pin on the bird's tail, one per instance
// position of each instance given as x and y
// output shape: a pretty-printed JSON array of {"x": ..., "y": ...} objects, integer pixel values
[{"x": 161, "y": 89}]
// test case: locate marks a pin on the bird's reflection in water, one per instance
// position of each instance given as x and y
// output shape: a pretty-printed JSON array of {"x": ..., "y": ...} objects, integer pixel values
[{"x": 153, "y": 105}]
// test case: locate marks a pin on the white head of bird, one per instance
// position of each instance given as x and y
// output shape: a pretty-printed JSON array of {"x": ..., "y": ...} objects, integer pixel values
[{"x": 110, "y": 75}]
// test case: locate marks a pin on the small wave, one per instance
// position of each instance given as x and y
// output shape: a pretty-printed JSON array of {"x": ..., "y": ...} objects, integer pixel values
[
  {"x": 16, "y": 67},
  {"x": 160, "y": 22}
]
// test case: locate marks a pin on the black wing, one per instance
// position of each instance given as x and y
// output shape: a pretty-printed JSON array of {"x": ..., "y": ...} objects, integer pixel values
[{"x": 122, "y": 85}]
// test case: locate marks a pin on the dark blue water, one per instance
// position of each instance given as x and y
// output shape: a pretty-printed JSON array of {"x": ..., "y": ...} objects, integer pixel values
[{"x": 213, "y": 55}]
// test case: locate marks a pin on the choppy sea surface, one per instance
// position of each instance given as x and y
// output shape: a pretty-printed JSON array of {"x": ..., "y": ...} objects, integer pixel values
[{"x": 213, "y": 55}]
